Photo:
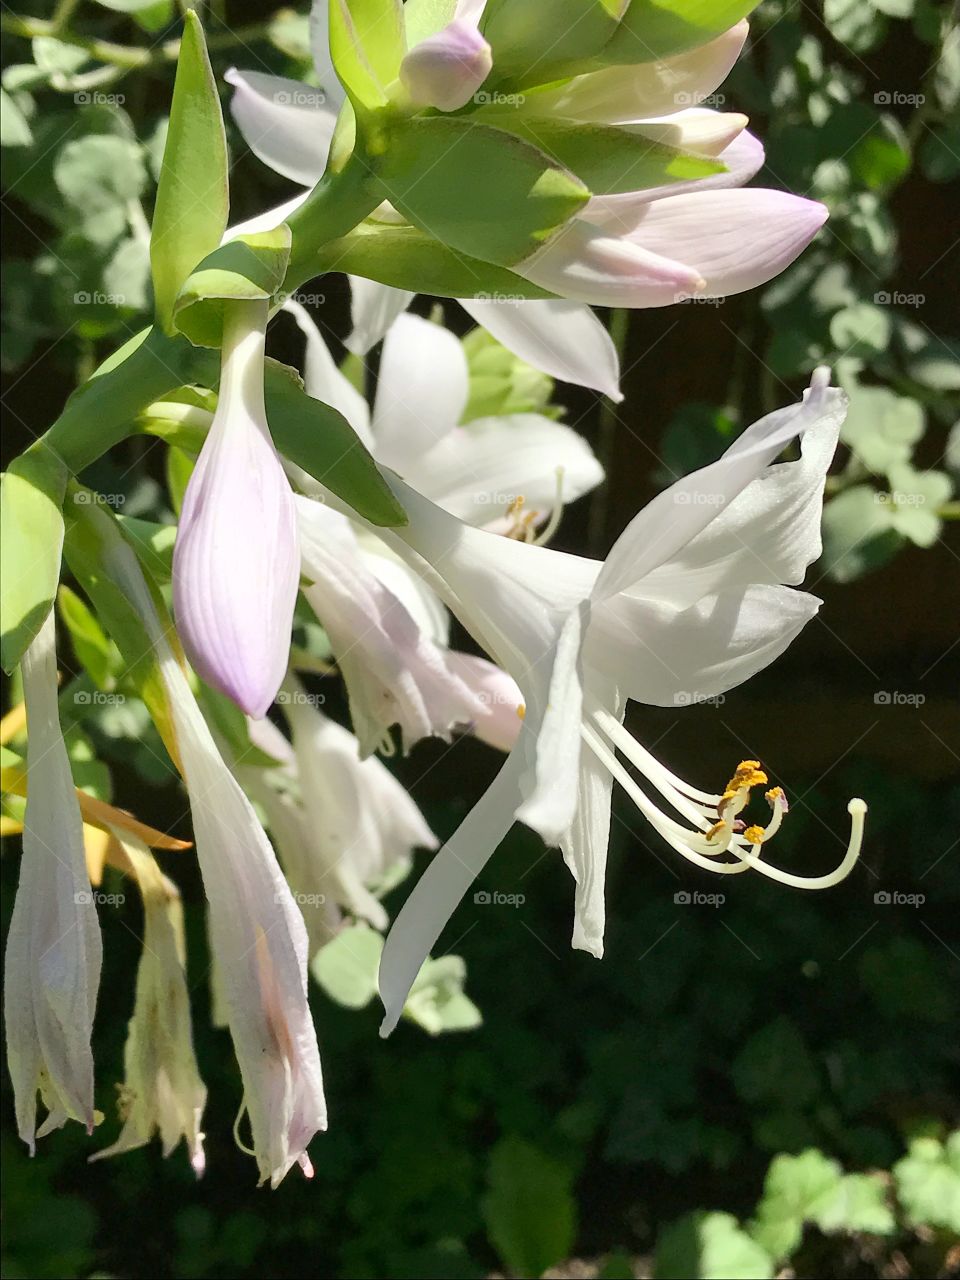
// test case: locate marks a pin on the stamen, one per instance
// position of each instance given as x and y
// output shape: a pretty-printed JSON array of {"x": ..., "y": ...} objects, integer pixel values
[
  {"x": 550, "y": 528},
  {"x": 716, "y": 827}
]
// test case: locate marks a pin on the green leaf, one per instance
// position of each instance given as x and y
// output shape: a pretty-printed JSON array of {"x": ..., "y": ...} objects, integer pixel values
[
  {"x": 522, "y": 55},
  {"x": 105, "y": 409},
  {"x": 179, "y": 469},
  {"x": 317, "y": 438},
  {"x": 99, "y": 176},
  {"x": 795, "y": 1190},
  {"x": 407, "y": 258},
  {"x": 665, "y": 27},
  {"x": 710, "y": 1246},
  {"x": 928, "y": 1183},
  {"x": 192, "y": 204},
  {"x": 91, "y": 644},
  {"x": 916, "y": 498},
  {"x": 246, "y": 269},
  {"x": 31, "y": 541},
  {"x": 857, "y": 534},
  {"x": 89, "y": 528},
  {"x": 529, "y": 1208},
  {"x": 437, "y": 173},
  {"x": 437, "y": 1001},
  {"x": 881, "y": 427},
  {"x": 609, "y": 159},
  {"x": 367, "y": 47},
  {"x": 346, "y": 968},
  {"x": 153, "y": 544},
  {"x": 861, "y": 330},
  {"x": 14, "y": 126},
  {"x": 859, "y": 1204},
  {"x": 775, "y": 1065},
  {"x": 151, "y": 15},
  {"x": 854, "y": 23}
]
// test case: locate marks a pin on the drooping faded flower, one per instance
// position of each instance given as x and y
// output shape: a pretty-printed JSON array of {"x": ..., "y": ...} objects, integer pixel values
[
  {"x": 162, "y": 1092},
  {"x": 688, "y": 604},
  {"x": 236, "y": 560},
  {"x": 53, "y": 948}
]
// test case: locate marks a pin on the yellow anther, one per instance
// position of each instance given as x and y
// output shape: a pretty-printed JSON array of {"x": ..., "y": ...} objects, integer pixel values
[
  {"x": 715, "y": 830},
  {"x": 753, "y": 835},
  {"x": 774, "y": 794},
  {"x": 521, "y": 711}
]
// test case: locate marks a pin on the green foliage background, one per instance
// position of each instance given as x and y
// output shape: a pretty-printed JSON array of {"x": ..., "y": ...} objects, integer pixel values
[{"x": 671, "y": 1100}]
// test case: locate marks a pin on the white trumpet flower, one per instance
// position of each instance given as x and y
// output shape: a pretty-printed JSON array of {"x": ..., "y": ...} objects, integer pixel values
[
  {"x": 688, "y": 604},
  {"x": 53, "y": 947}
]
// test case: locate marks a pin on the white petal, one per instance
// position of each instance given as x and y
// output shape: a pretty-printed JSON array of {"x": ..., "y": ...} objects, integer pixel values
[
  {"x": 320, "y": 48},
  {"x": 498, "y": 692},
  {"x": 704, "y": 132},
  {"x": 394, "y": 673},
  {"x": 564, "y": 339},
  {"x": 585, "y": 844},
  {"x": 477, "y": 472},
  {"x": 324, "y": 381},
  {"x": 442, "y": 885},
  {"x": 286, "y": 124},
  {"x": 618, "y": 214},
  {"x": 53, "y": 951},
  {"x": 674, "y": 518},
  {"x": 668, "y": 657},
  {"x": 409, "y": 588},
  {"x": 769, "y": 533},
  {"x": 421, "y": 392},
  {"x": 373, "y": 309},
  {"x": 266, "y": 221},
  {"x": 621, "y": 93}
]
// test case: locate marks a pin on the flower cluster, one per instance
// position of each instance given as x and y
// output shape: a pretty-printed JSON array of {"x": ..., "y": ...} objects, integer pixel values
[{"x": 439, "y": 501}]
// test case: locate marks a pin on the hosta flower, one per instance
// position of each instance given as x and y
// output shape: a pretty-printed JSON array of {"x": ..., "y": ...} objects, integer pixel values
[
  {"x": 361, "y": 825},
  {"x": 688, "y": 604},
  {"x": 481, "y": 470},
  {"x": 236, "y": 560},
  {"x": 162, "y": 1091},
  {"x": 53, "y": 947},
  {"x": 393, "y": 670},
  {"x": 257, "y": 933},
  {"x": 446, "y": 69}
]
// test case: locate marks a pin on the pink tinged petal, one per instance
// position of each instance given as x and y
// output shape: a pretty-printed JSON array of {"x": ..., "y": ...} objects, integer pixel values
[
  {"x": 619, "y": 214},
  {"x": 479, "y": 472},
  {"x": 665, "y": 656},
  {"x": 286, "y": 124},
  {"x": 373, "y": 309},
  {"x": 734, "y": 239},
  {"x": 562, "y": 338},
  {"x": 324, "y": 381},
  {"x": 499, "y": 694},
  {"x": 583, "y": 263},
  {"x": 617, "y": 94},
  {"x": 257, "y": 933},
  {"x": 445, "y": 70},
  {"x": 53, "y": 950},
  {"x": 394, "y": 672},
  {"x": 443, "y": 884},
  {"x": 675, "y": 517},
  {"x": 422, "y": 390},
  {"x": 236, "y": 560}
]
